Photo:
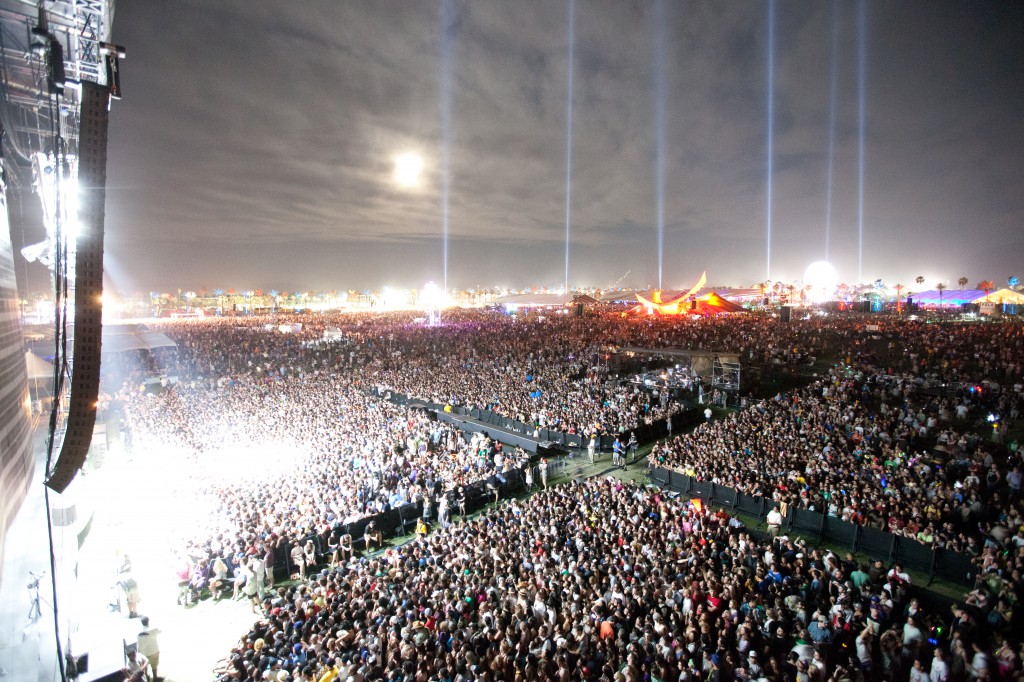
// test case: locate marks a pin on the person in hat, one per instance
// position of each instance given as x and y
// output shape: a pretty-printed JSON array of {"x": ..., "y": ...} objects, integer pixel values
[{"x": 753, "y": 666}]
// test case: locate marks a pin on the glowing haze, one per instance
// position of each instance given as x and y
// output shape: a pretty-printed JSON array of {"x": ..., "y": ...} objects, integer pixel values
[
  {"x": 822, "y": 279},
  {"x": 256, "y": 143}
]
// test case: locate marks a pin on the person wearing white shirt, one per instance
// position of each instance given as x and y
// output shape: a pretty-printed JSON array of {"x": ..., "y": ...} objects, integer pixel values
[
  {"x": 137, "y": 666},
  {"x": 918, "y": 673},
  {"x": 940, "y": 669},
  {"x": 898, "y": 573},
  {"x": 148, "y": 645},
  {"x": 774, "y": 521}
]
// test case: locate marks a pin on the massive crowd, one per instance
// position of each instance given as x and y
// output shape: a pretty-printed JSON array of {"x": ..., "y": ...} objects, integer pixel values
[
  {"x": 869, "y": 449},
  {"x": 602, "y": 580},
  {"x": 888, "y": 436},
  {"x": 887, "y": 445}
]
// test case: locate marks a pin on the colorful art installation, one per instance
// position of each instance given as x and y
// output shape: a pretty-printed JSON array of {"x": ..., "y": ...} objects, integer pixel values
[{"x": 710, "y": 303}]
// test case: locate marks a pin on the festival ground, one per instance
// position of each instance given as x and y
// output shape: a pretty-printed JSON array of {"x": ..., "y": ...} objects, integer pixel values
[{"x": 133, "y": 510}]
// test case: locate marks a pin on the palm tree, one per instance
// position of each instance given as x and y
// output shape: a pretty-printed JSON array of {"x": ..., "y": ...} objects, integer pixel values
[
  {"x": 987, "y": 286},
  {"x": 919, "y": 279},
  {"x": 1012, "y": 281},
  {"x": 962, "y": 282},
  {"x": 899, "y": 290},
  {"x": 941, "y": 287}
]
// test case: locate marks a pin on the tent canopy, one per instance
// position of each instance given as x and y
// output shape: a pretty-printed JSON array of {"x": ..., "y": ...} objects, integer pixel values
[
  {"x": 710, "y": 303},
  {"x": 948, "y": 297},
  {"x": 713, "y": 303},
  {"x": 1003, "y": 296}
]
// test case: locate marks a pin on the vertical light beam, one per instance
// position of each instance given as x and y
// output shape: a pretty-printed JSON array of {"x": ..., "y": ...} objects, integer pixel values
[
  {"x": 448, "y": 27},
  {"x": 771, "y": 134},
  {"x": 861, "y": 77},
  {"x": 568, "y": 136},
  {"x": 660, "y": 95},
  {"x": 834, "y": 77}
]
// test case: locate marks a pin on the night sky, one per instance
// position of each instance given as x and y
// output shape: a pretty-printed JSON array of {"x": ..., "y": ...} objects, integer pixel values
[{"x": 255, "y": 142}]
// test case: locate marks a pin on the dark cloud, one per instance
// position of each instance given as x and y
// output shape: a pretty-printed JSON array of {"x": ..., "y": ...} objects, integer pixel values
[{"x": 255, "y": 141}]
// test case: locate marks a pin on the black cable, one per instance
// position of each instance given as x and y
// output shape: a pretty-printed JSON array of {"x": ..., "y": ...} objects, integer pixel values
[{"x": 59, "y": 363}]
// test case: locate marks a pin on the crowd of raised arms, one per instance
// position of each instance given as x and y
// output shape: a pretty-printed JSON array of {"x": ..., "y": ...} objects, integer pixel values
[{"x": 593, "y": 581}]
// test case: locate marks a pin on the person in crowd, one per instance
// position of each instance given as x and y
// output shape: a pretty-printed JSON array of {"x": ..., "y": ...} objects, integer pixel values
[{"x": 148, "y": 645}]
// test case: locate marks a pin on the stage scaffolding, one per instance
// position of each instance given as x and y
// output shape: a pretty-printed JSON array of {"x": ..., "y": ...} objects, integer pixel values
[{"x": 719, "y": 369}]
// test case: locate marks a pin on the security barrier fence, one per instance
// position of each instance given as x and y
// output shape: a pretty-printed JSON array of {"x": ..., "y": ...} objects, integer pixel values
[
  {"x": 940, "y": 563},
  {"x": 401, "y": 520},
  {"x": 529, "y": 436}
]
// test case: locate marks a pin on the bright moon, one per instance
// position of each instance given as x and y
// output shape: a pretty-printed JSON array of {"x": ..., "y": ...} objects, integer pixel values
[
  {"x": 822, "y": 278},
  {"x": 408, "y": 167}
]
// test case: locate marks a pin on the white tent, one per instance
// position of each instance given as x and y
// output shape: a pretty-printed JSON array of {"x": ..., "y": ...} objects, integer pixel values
[{"x": 1003, "y": 296}]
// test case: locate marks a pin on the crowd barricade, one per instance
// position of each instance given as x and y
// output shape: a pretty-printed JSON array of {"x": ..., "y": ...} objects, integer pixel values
[
  {"x": 724, "y": 495},
  {"x": 702, "y": 490},
  {"x": 523, "y": 433},
  {"x": 750, "y": 504},
  {"x": 402, "y": 520},
  {"x": 914, "y": 555},
  {"x": 875, "y": 542},
  {"x": 806, "y": 522},
  {"x": 843, "y": 532},
  {"x": 954, "y": 566}
]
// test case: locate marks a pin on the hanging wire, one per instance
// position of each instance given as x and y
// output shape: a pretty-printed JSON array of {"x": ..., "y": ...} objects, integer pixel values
[{"x": 61, "y": 365}]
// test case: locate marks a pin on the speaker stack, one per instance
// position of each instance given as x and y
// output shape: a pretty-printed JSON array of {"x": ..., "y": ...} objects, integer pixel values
[{"x": 85, "y": 377}]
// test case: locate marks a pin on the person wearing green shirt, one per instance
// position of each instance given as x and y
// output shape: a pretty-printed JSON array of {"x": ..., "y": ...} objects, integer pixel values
[{"x": 860, "y": 577}]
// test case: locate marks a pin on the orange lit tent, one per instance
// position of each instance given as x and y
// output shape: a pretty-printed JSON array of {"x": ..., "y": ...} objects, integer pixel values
[{"x": 710, "y": 303}]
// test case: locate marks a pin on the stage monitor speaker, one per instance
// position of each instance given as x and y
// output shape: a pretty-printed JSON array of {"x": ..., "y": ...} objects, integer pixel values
[
  {"x": 785, "y": 313},
  {"x": 85, "y": 376}
]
